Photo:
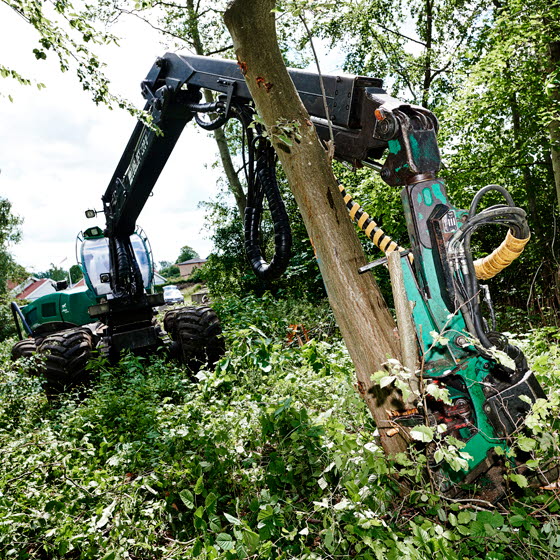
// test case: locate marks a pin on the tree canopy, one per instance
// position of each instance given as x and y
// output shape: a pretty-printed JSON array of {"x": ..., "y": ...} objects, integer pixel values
[
  {"x": 186, "y": 254},
  {"x": 10, "y": 233}
]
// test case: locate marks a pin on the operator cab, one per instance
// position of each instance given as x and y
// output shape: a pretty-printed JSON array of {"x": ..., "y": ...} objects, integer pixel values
[{"x": 96, "y": 264}]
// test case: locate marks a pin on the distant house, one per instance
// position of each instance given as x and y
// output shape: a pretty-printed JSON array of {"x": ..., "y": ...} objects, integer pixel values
[
  {"x": 34, "y": 288},
  {"x": 188, "y": 267}
]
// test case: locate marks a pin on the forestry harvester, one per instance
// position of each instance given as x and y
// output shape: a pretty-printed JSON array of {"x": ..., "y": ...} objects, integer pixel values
[{"x": 488, "y": 399}]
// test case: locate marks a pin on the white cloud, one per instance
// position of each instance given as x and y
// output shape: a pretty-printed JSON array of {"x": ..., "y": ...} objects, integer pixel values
[{"x": 58, "y": 151}]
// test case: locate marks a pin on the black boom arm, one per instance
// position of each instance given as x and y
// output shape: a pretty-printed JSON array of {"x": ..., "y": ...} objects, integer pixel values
[{"x": 172, "y": 90}]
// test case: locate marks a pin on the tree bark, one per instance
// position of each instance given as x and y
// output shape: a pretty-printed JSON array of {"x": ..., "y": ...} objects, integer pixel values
[
  {"x": 554, "y": 125},
  {"x": 428, "y": 60},
  {"x": 362, "y": 316},
  {"x": 525, "y": 170}
]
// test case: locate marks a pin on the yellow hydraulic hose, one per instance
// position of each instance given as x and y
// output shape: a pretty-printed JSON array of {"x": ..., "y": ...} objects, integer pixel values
[
  {"x": 501, "y": 257},
  {"x": 369, "y": 227}
]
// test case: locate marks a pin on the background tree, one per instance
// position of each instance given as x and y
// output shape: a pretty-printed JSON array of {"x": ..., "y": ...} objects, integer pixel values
[
  {"x": 76, "y": 273},
  {"x": 170, "y": 272},
  {"x": 187, "y": 253},
  {"x": 10, "y": 233},
  {"x": 66, "y": 32},
  {"x": 56, "y": 273},
  {"x": 497, "y": 129}
]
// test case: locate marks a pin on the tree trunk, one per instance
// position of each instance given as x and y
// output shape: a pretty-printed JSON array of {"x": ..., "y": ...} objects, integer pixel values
[
  {"x": 234, "y": 183},
  {"x": 525, "y": 170},
  {"x": 428, "y": 60},
  {"x": 554, "y": 125},
  {"x": 364, "y": 320}
]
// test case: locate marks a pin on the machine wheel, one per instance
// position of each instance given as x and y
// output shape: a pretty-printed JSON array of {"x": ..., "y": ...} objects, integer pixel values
[
  {"x": 198, "y": 333},
  {"x": 24, "y": 348},
  {"x": 169, "y": 320},
  {"x": 66, "y": 356}
]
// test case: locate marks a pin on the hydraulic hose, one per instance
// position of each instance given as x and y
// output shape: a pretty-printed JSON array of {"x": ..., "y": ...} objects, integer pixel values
[
  {"x": 500, "y": 258},
  {"x": 516, "y": 239},
  {"x": 267, "y": 186},
  {"x": 129, "y": 277},
  {"x": 17, "y": 314},
  {"x": 467, "y": 272}
]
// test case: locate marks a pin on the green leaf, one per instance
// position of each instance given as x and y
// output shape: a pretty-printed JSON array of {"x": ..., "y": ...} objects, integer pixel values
[
  {"x": 197, "y": 548},
  {"x": 516, "y": 520},
  {"x": 210, "y": 502},
  {"x": 265, "y": 513},
  {"x": 285, "y": 140},
  {"x": 187, "y": 498},
  {"x": 519, "y": 479},
  {"x": 387, "y": 380},
  {"x": 422, "y": 433},
  {"x": 232, "y": 519},
  {"x": 526, "y": 443},
  {"x": 251, "y": 540},
  {"x": 199, "y": 486},
  {"x": 224, "y": 541}
]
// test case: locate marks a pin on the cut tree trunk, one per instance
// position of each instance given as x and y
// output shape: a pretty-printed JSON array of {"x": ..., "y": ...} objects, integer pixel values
[{"x": 362, "y": 315}]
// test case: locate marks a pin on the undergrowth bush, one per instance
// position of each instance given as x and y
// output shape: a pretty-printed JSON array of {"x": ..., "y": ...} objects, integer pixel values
[{"x": 271, "y": 455}]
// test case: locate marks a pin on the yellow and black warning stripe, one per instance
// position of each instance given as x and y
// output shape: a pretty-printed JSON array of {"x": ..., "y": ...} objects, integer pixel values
[{"x": 369, "y": 226}]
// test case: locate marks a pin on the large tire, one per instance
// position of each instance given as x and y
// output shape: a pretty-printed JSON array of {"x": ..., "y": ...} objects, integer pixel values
[
  {"x": 198, "y": 334},
  {"x": 66, "y": 356},
  {"x": 24, "y": 348},
  {"x": 169, "y": 320}
]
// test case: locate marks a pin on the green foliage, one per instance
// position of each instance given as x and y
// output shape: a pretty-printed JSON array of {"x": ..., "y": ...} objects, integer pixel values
[
  {"x": 228, "y": 270},
  {"x": 7, "y": 324},
  {"x": 272, "y": 455},
  {"x": 55, "y": 273},
  {"x": 75, "y": 273},
  {"x": 186, "y": 254},
  {"x": 9, "y": 234},
  {"x": 495, "y": 130},
  {"x": 67, "y": 33},
  {"x": 170, "y": 272}
]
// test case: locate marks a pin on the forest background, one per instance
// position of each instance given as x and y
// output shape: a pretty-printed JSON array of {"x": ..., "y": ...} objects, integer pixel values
[{"x": 250, "y": 461}]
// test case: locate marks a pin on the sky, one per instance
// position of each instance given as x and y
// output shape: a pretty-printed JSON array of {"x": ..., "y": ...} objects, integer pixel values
[{"x": 58, "y": 151}]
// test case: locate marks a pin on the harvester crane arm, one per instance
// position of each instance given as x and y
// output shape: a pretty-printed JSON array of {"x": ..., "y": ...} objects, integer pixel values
[
  {"x": 487, "y": 399},
  {"x": 172, "y": 93}
]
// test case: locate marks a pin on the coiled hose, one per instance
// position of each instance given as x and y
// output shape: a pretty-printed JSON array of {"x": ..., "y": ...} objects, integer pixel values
[
  {"x": 266, "y": 185},
  {"x": 466, "y": 275}
]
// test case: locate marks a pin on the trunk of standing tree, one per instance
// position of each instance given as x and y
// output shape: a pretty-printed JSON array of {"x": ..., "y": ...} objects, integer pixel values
[
  {"x": 554, "y": 125},
  {"x": 428, "y": 77},
  {"x": 219, "y": 135},
  {"x": 361, "y": 313}
]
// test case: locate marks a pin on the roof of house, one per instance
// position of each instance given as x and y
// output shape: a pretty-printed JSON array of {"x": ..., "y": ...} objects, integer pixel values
[
  {"x": 194, "y": 261},
  {"x": 17, "y": 289},
  {"x": 10, "y": 285},
  {"x": 32, "y": 287}
]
